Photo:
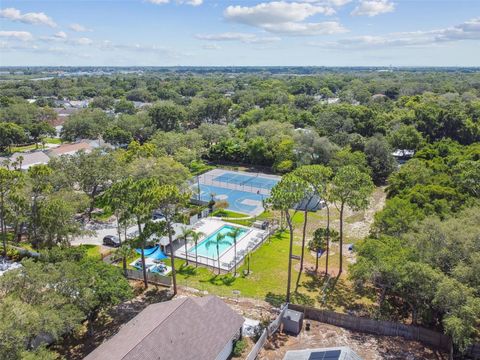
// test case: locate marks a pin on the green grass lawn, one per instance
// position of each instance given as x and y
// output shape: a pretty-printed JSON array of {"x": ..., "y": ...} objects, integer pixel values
[
  {"x": 267, "y": 273},
  {"x": 92, "y": 250},
  {"x": 228, "y": 214},
  {"x": 268, "y": 277},
  {"x": 35, "y": 146}
]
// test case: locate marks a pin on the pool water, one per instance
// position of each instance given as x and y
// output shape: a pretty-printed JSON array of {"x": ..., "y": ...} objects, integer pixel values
[{"x": 208, "y": 247}]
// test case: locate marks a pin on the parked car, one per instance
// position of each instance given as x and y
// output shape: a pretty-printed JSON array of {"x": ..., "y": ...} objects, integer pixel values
[
  {"x": 111, "y": 240},
  {"x": 157, "y": 215}
]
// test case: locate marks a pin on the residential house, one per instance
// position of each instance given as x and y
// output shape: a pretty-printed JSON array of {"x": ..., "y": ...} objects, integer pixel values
[
  {"x": 29, "y": 159},
  {"x": 70, "y": 149},
  {"x": 62, "y": 116},
  {"x": 190, "y": 328}
]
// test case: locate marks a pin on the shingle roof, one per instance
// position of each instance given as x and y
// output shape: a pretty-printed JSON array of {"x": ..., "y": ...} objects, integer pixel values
[
  {"x": 70, "y": 149},
  {"x": 30, "y": 158},
  {"x": 187, "y": 329}
]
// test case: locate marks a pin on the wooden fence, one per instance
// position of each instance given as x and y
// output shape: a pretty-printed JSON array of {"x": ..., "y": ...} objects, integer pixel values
[
  {"x": 252, "y": 355},
  {"x": 152, "y": 278},
  {"x": 428, "y": 337},
  {"x": 473, "y": 351}
]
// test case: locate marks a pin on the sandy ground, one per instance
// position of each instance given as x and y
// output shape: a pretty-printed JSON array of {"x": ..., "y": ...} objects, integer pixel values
[{"x": 368, "y": 347}]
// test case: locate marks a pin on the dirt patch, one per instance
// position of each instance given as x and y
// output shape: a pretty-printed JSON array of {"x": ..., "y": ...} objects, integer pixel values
[
  {"x": 250, "y": 308},
  {"x": 368, "y": 347},
  {"x": 357, "y": 224}
]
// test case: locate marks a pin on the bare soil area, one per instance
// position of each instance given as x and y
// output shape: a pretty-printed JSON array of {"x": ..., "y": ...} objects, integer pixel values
[{"x": 368, "y": 347}]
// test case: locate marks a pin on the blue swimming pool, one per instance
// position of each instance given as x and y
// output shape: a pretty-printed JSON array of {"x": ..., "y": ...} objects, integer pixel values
[{"x": 208, "y": 247}]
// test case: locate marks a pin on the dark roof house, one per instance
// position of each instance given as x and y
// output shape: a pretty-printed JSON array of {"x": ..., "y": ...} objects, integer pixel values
[{"x": 202, "y": 328}]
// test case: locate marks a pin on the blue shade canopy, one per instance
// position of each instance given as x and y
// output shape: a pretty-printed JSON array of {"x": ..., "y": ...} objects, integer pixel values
[{"x": 154, "y": 253}]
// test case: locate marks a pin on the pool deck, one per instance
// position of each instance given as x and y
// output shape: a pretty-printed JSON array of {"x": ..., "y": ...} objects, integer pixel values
[
  {"x": 149, "y": 262},
  {"x": 249, "y": 242}
]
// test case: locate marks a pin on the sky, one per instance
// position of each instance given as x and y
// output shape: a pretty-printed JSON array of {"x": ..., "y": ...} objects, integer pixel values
[{"x": 240, "y": 32}]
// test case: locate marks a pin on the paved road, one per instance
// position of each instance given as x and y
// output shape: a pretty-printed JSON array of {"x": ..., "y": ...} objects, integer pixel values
[{"x": 97, "y": 237}]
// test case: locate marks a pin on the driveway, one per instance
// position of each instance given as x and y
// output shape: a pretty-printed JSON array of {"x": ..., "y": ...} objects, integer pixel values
[{"x": 98, "y": 233}]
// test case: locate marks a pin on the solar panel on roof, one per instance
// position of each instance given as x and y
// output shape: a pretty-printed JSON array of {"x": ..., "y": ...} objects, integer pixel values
[{"x": 325, "y": 355}]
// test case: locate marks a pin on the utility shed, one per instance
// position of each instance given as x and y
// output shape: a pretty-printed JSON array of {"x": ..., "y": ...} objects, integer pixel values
[
  {"x": 334, "y": 353},
  {"x": 292, "y": 321}
]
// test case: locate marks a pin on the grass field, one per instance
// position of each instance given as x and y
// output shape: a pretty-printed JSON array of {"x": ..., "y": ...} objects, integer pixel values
[
  {"x": 268, "y": 278},
  {"x": 35, "y": 146},
  {"x": 268, "y": 266}
]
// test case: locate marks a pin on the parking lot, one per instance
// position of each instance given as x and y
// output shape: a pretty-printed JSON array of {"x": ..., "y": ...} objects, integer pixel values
[{"x": 96, "y": 236}]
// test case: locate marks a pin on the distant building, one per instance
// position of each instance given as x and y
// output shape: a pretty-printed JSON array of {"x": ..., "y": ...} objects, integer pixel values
[
  {"x": 334, "y": 353},
  {"x": 202, "y": 328},
  {"x": 6, "y": 265},
  {"x": 62, "y": 115},
  {"x": 70, "y": 149},
  {"x": 77, "y": 104},
  {"x": 141, "y": 104},
  {"x": 379, "y": 97},
  {"x": 403, "y": 153},
  {"x": 29, "y": 159}
]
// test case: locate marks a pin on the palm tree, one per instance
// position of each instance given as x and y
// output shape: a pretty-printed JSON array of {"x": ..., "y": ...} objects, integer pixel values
[
  {"x": 124, "y": 252},
  {"x": 234, "y": 234},
  {"x": 219, "y": 239},
  {"x": 195, "y": 237},
  {"x": 184, "y": 235}
]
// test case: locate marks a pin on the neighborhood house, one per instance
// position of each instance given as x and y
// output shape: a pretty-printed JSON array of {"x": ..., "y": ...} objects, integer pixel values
[{"x": 192, "y": 328}]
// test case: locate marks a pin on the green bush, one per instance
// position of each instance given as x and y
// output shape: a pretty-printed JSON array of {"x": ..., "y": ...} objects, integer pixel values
[{"x": 239, "y": 347}]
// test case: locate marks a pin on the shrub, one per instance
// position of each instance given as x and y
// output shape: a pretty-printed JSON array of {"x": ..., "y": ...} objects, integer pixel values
[{"x": 239, "y": 347}]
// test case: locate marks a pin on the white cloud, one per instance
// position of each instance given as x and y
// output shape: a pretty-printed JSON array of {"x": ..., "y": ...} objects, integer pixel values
[
  {"x": 211, "y": 47},
  {"x": 78, "y": 28},
  {"x": 60, "y": 35},
  {"x": 233, "y": 36},
  {"x": 191, "y": 2},
  {"x": 28, "y": 18},
  {"x": 180, "y": 2},
  {"x": 83, "y": 41},
  {"x": 469, "y": 30},
  {"x": 286, "y": 17},
  {"x": 339, "y": 3},
  {"x": 17, "y": 35},
  {"x": 306, "y": 29},
  {"x": 373, "y": 7},
  {"x": 274, "y": 12},
  {"x": 336, "y": 3}
]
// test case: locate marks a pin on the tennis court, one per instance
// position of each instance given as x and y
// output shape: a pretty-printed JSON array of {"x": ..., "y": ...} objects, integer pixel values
[
  {"x": 251, "y": 180},
  {"x": 244, "y": 192}
]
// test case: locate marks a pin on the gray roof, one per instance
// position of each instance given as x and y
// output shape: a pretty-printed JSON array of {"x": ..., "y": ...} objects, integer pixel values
[
  {"x": 187, "y": 328},
  {"x": 30, "y": 158},
  {"x": 333, "y": 353},
  {"x": 293, "y": 315}
]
